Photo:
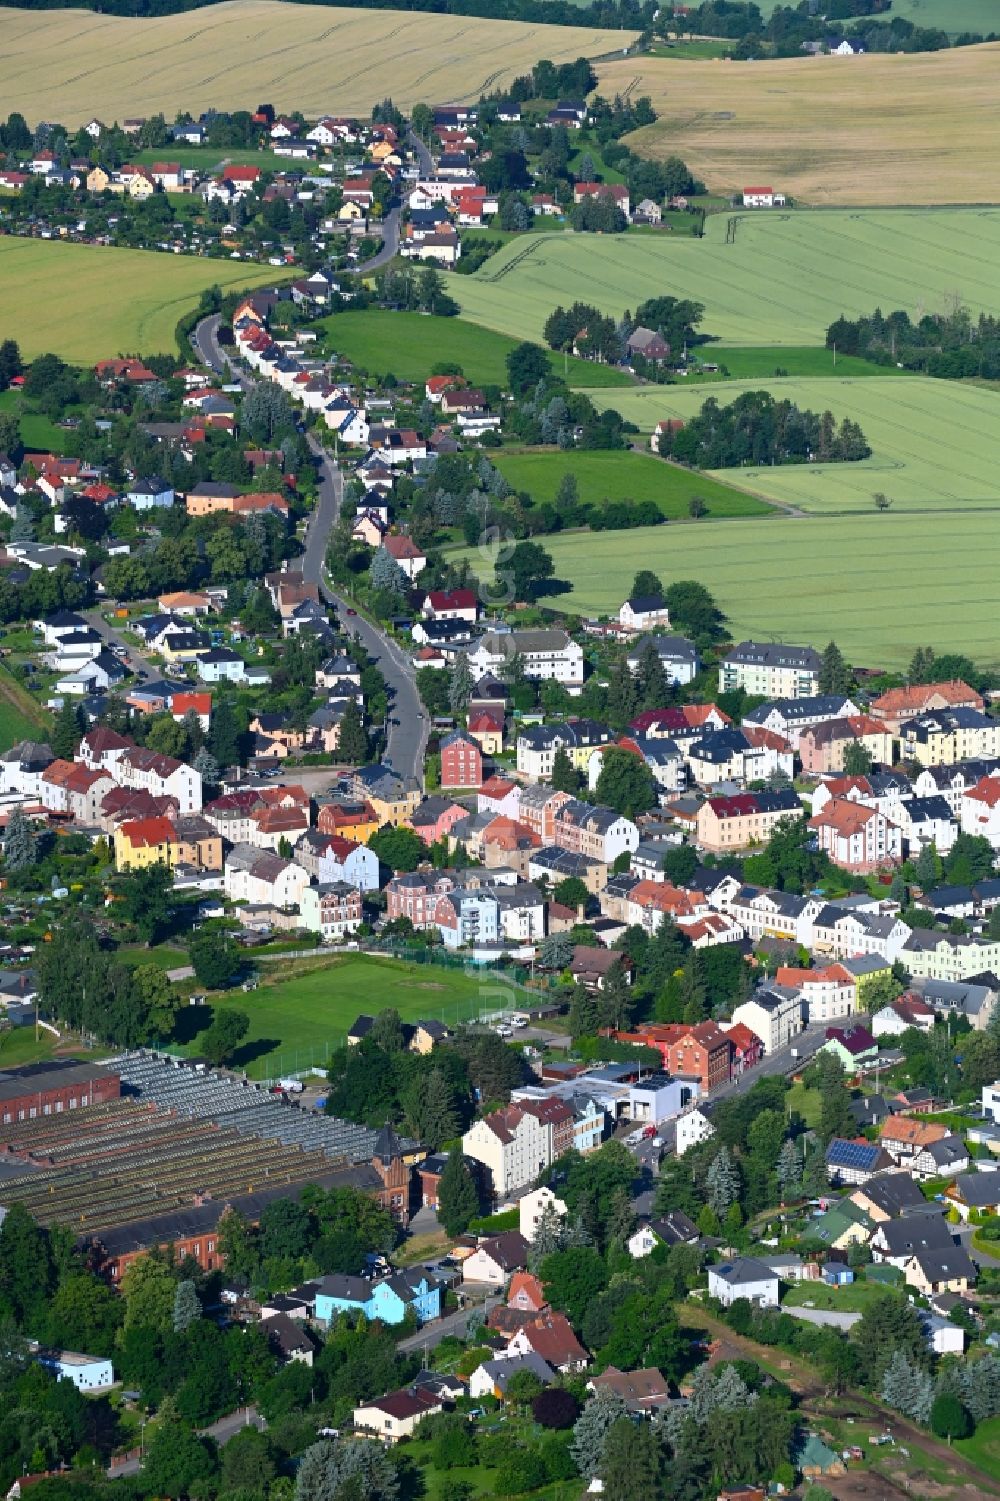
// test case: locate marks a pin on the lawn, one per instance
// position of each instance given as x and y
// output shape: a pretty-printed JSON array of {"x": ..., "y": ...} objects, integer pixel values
[
  {"x": 85, "y": 302},
  {"x": 786, "y": 278},
  {"x": 297, "y": 1021},
  {"x": 625, "y": 475},
  {"x": 935, "y": 444},
  {"x": 64, "y": 65},
  {"x": 825, "y": 133},
  {"x": 20, "y": 1046},
  {"x": 983, "y": 1448},
  {"x": 37, "y": 430},
  {"x": 879, "y": 585},
  {"x": 21, "y": 717},
  {"x": 411, "y": 344},
  {"x": 854, "y": 1299},
  {"x": 808, "y": 1103}
]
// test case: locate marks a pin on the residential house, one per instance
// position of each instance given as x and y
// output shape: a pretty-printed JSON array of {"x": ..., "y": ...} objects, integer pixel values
[
  {"x": 857, "y": 838},
  {"x": 775, "y": 1015},
  {"x": 333, "y": 909},
  {"x": 855, "y": 1161},
  {"x": 734, "y": 823},
  {"x": 853, "y": 1046},
  {"x": 493, "y": 1376},
  {"x": 743, "y": 1278},
  {"x": 550, "y": 1336},
  {"x": 678, "y": 657},
  {"x": 974, "y": 1191},
  {"x": 644, "y": 1392},
  {"x": 533, "y": 1205},
  {"x": 396, "y": 1416},
  {"x": 899, "y": 706},
  {"x": 496, "y": 1258},
  {"x": 461, "y": 760},
  {"x": 644, "y": 612}
]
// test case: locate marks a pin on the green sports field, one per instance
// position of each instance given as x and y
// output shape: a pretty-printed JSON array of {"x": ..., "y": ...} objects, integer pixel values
[
  {"x": 875, "y": 583},
  {"x": 296, "y": 1022},
  {"x": 786, "y": 278},
  {"x": 409, "y": 345},
  {"x": 935, "y": 443},
  {"x": 85, "y": 302},
  {"x": 625, "y": 476}
]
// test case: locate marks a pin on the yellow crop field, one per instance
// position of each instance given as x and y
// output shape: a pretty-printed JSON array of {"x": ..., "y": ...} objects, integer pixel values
[
  {"x": 85, "y": 302},
  {"x": 69, "y": 65},
  {"x": 921, "y": 128}
]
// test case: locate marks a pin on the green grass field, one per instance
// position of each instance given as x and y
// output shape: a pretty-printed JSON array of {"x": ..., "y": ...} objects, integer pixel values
[
  {"x": 744, "y": 363},
  {"x": 874, "y": 583},
  {"x": 206, "y": 158},
  {"x": 934, "y": 443},
  {"x": 410, "y": 344},
  {"x": 85, "y": 302},
  {"x": 296, "y": 1022},
  {"x": 21, "y": 717},
  {"x": 621, "y": 476},
  {"x": 784, "y": 281}
]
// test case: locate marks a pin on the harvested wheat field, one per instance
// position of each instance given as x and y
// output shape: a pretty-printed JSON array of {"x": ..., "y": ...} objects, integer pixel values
[
  {"x": 918, "y": 129},
  {"x": 68, "y": 65}
]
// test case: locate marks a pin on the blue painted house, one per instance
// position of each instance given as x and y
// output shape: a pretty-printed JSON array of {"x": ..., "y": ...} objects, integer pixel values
[
  {"x": 837, "y": 1274},
  {"x": 414, "y": 1289},
  {"x": 387, "y": 1299}
]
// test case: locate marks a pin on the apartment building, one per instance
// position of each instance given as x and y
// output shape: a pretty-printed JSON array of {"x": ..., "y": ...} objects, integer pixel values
[
  {"x": 770, "y": 670},
  {"x": 546, "y": 656},
  {"x": 734, "y": 823}
]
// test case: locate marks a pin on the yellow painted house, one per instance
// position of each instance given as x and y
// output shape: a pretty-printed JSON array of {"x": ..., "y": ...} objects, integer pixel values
[
  {"x": 167, "y": 841},
  {"x": 98, "y": 181}
]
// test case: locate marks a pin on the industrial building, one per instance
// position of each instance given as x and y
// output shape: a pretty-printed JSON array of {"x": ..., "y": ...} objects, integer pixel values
[{"x": 163, "y": 1162}]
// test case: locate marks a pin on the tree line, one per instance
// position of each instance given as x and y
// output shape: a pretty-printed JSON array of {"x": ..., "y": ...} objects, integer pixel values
[
  {"x": 758, "y": 428},
  {"x": 949, "y": 345}
]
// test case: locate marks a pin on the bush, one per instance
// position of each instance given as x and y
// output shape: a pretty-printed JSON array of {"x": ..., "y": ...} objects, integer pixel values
[
  {"x": 524, "y": 1470},
  {"x": 555, "y": 1408},
  {"x": 949, "y": 1419}
]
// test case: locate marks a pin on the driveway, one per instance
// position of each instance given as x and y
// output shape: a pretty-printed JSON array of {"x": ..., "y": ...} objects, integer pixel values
[{"x": 453, "y": 1323}]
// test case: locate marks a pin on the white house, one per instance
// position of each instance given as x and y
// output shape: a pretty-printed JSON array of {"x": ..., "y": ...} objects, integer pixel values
[
  {"x": 533, "y": 1206},
  {"x": 775, "y": 1016},
  {"x": 744, "y": 1278},
  {"x": 547, "y": 656},
  {"x": 644, "y": 612},
  {"x": 762, "y": 198},
  {"x": 88, "y": 1373},
  {"x": 262, "y": 878},
  {"x": 691, "y": 1128}
]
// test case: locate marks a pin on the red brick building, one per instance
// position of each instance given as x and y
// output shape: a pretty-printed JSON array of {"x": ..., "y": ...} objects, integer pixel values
[
  {"x": 54, "y": 1088},
  {"x": 703, "y": 1052}
]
